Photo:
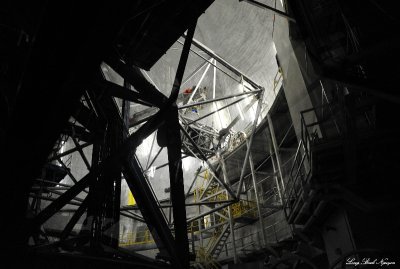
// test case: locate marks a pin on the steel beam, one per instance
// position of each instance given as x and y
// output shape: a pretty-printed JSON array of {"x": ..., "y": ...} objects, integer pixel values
[
  {"x": 124, "y": 93},
  {"x": 231, "y": 220},
  {"x": 280, "y": 193},
  {"x": 237, "y": 118},
  {"x": 216, "y": 111},
  {"x": 260, "y": 217},
  {"x": 151, "y": 151},
  {"x": 218, "y": 99},
  {"x": 71, "y": 223},
  {"x": 214, "y": 84},
  {"x": 198, "y": 85},
  {"x": 194, "y": 181},
  {"x": 212, "y": 169},
  {"x": 211, "y": 62},
  {"x": 129, "y": 145},
  {"x": 212, "y": 195},
  {"x": 80, "y": 132},
  {"x": 49, "y": 198},
  {"x": 195, "y": 72},
  {"x": 104, "y": 190},
  {"x": 154, "y": 159},
  {"x": 285, "y": 136},
  {"x": 135, "y": 77},
  {"x": 63, "y": 199},
  {"x": 149, "y": 208},
  {"x": 68, "y": 170},
  {"x": 79, "y": 148},
  {"x": 276, "y": 149},
  {"x": 174, "y": 143},
  {"x": 224, "y": 63},
  {"x": 246, "y": 158},
  {"x": 86, "y": 117},
  {"x": 142, "y": 116},
  {"x": 165, "y": 164},
  {"x": 228, "y": 203},
  {"x": 276, "y": 11},
  {"x": 208, "y": 185}
]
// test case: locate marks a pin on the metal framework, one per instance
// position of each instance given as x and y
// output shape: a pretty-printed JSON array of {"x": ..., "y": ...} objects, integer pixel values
[{"x": 105, "y": 125}]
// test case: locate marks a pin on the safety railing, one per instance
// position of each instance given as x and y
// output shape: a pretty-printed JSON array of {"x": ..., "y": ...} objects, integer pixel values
[
  {"x": 298, "y": 176},
  {"x": 301, "y": 169},
  {"x": 136, "y": 238},
  {"x": 277, "y": 231},
  {"x": 145, "y": 237},
  {"x": 244, "y": 207},
  {"x": 213, "y": 240},
  {"x": 274, "y": 233},
  {"x": 206, "y": 259}
]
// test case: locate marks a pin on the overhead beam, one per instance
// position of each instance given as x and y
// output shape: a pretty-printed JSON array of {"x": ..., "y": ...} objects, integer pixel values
[
  {"x": 215, "y": 111},
  {"x": 220, "y": 60},
  {"x": 67, "y": 152},
  {"x": 276, "y": 11},
  {"x": 124, "y": 93},
  {"x": 218, "y": 99},
  {"x": 134, "y": 76}
]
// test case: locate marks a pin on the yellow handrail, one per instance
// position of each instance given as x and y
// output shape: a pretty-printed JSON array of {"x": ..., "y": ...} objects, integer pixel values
[
  {"x": 206, "y": 259},
  {"x": 135, "y": 238},
  {"x": 244, "y": 208}
]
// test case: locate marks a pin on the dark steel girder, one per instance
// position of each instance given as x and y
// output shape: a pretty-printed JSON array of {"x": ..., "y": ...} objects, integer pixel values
[
  {"x": 174, "y": 143},
  {"x": 67, "y": 152},
  {"x": 134, "y": 76},
  {"x": 128, "y": 146},
  {"x": 71, "y": 223},
  {"x": 86, "y": 118},
  {"x": 80, "y": 132},
  {"x": 149, "y": 208},
  {"x": 124, "y": 93}
]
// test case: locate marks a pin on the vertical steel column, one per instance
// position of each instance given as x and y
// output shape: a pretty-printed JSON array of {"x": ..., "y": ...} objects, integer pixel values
[
  {"x": 214, "y": 84},
  {"x": 107, "y": 189},
  {"x": 91, "y": 222},
  {"x": 253, "y": 175},
  {"x": 276, "y": 149},
  {"x": 200, "y": 231},
  {"x": 174, "y": 144},
  {"x": 275, "y": 176},
  {"x": 231, "y": 220},
  {"x": 246, "y": 158}
]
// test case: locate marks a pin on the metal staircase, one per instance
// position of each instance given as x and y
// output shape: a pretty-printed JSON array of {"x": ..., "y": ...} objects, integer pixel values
[
  {"x": 218, "y": 244},
  {"x": 322, "y": 156}
]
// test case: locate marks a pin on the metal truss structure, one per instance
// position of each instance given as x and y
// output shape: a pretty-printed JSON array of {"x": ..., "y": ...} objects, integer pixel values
[
  {"x": 83, "y": 94},
  {"x": 105, "y": 126},
  {"x": 54, "y": 85}
]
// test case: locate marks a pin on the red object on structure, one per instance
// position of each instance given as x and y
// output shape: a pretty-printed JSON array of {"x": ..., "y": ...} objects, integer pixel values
[{"x": 187, "y": 91}]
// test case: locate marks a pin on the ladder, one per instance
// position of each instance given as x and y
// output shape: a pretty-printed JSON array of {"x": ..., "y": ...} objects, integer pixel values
[{"x": 216, "y": 248}]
